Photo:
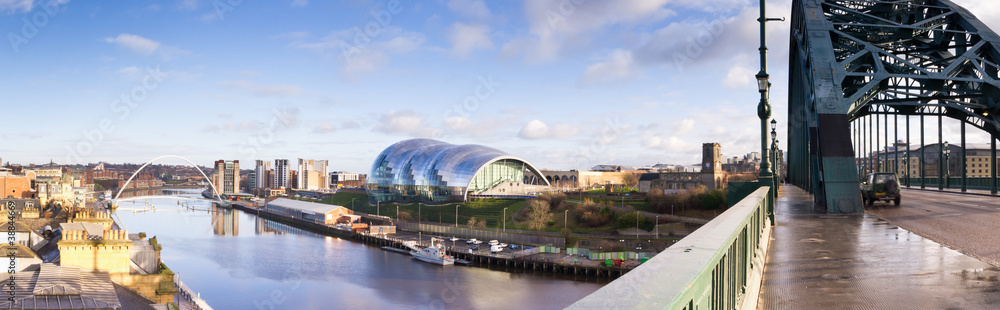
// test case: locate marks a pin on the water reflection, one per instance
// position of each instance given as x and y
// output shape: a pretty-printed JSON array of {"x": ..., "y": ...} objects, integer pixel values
[
  {"x": 276, "y": 266},
  {"x": 225, "y": 222}
]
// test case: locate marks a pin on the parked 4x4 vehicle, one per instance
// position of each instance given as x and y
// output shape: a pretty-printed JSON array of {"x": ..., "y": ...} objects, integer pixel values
[{"x": 880, "y": 186}]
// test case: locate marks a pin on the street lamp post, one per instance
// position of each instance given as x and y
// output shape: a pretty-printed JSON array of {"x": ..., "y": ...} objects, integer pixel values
[
  {"x": 906, "y": 170},
  {"x": 637, "y": 224},
  {"x": 657, "y": 227},
  {"x": 947, "y": 169},
  {"x": 456, "y": 215},
  {"x": 378, "y": 208},
  {"x": 505, "y": 219},
  {"x": 774, "y": 153},
  {"x": 352, "y": 203},
  {"x": 765, "y": 177},
  {"x": 566, "y": 219}
]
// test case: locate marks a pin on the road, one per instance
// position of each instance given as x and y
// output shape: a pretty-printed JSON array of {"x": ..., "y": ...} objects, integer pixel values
[{"x": 966, "y": 223}]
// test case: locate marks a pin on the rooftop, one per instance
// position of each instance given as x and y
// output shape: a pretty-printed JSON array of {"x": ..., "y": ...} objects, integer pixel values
[
  {"x": 304, "y": 205},
  {"x": 61, "y": 287}
]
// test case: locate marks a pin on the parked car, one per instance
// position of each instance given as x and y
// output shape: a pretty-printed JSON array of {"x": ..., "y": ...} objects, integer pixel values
[
  {"x": 453, "y": 239},
  {"x": 496, "y": 248},
  {"x": 475, "y": 247},
  {"x": 478, "y": 242},
  {"x": 471, "y": 241},
  {"x": 880, "y": 186},
  {"x": 502, "y": 245},
  {"x": 494, "y": 242},
  {"x": 513, "y": 246}
]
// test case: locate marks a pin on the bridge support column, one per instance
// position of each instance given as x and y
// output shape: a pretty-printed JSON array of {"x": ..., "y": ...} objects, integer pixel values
[{"x": 839, "y": 174}]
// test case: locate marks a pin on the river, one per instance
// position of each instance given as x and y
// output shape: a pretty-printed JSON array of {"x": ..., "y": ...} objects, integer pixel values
[{"x": 236, "y": 260}]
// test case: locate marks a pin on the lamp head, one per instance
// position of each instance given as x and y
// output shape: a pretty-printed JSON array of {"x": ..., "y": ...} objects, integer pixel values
[{"x": 762, "y": 83}]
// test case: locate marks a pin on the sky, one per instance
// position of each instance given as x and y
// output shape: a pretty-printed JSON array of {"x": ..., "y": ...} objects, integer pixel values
[{"x": 565, "y": 84}]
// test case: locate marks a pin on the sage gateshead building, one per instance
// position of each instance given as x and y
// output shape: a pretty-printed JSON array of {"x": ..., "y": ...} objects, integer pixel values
[{"x": 431, "y": 171}]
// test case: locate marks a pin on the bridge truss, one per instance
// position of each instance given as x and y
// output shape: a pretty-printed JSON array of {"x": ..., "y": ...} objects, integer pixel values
[{"x": 851, "y": 58}]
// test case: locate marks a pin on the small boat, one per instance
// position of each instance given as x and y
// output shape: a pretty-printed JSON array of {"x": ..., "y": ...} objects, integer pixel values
[
  {"x": 434, "y": 254},
  {"x": 397, "y": 250}
]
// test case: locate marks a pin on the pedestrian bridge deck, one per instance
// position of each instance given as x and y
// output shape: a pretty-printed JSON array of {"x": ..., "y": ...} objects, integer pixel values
[{"x": 820, "y": 261}]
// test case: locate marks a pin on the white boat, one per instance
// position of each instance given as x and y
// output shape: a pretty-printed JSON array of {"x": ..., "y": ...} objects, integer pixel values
[{"x": 434, "y": 254}]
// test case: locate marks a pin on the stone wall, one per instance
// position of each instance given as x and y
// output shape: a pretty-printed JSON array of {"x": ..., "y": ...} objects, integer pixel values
[{"x": 110, "y": 254}]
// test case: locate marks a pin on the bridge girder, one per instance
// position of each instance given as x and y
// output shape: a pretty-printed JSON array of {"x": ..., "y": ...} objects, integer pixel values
[{"x": 852, "y": 58}]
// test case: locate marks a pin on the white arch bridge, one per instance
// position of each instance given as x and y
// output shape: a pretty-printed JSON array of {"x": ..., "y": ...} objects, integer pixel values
[{"x": 218, "y": 198}]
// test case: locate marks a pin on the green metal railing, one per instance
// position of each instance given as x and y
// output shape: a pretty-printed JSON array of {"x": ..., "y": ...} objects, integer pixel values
[{"x": 718, "y": 266}]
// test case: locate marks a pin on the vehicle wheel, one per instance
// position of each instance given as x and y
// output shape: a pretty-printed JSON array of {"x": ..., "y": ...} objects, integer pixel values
[
  {"x": 892, "y": 187},
  {"x": 896, "y": 202}
]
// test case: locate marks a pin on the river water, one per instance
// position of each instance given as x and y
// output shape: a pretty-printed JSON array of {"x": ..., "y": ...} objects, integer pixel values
[{"x": 236, "y": 260}]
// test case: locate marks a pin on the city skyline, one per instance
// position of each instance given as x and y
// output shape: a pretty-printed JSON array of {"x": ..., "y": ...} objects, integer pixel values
[{"x": 565, "y": 84}]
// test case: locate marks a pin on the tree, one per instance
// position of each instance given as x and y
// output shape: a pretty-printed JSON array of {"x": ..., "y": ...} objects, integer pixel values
[
  {"x": 630, "y": 179},
  {"x": 404, "y": 216},
  {"x": 472, "y": 222},
  {"x": 481, "y": 223},
  {"x": 539, "y": 214}
]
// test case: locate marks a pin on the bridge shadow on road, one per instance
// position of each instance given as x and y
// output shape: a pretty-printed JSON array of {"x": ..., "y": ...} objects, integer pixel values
[{"x": 820, "y": 261}]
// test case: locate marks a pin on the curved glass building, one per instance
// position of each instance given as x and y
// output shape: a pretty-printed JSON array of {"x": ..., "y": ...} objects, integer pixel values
[{"x": 433, "y": 171}]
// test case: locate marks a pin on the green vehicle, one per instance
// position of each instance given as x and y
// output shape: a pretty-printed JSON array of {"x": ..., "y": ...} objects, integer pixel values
[{"x": 880, "y": 186}]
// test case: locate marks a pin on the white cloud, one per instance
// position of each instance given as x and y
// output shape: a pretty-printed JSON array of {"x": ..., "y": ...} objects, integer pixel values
[
  {"x": 264, "y": 90},
  {"x": 325, "y": 127},
  {"x": 473, "y": 9},
  {"x": 537, "y": 129},
  {"x": 618, "y": 66},
  {"x": 399, "y": 121},
  {"x": 739, "y": 77},
  {"x": 465, "y": 38},
  {"x": 135, "y": 43},
  {"x": 13, "y": 6},
  {"x": 685, "y": 127},
  {"x": 458, "y": 123},
  {"x": 300, "y": 3},
  {"x": 188, "y": 5},
  {"x": 362, "y": 57},
  {"x": 558, "y": 24},
  {"x": 144, "y": 46},
  {"x": 129, "y": 71}
]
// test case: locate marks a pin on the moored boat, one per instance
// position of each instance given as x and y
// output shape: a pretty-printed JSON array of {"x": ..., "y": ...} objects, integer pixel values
[{"x": 434, "y": 254}]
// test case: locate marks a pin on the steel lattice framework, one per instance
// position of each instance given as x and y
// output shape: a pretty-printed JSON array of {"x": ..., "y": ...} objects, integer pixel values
[{"x": 852, "y": 58}]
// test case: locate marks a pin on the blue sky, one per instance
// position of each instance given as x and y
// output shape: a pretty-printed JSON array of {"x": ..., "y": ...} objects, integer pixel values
[{"x": 566, "y": 84}]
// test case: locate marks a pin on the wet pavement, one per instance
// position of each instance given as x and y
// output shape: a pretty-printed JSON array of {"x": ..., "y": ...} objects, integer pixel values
[{"x": 820, "y": 261}]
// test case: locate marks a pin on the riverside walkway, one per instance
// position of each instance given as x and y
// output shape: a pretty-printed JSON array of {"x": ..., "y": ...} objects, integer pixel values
[{"x": 821, "y": 261}]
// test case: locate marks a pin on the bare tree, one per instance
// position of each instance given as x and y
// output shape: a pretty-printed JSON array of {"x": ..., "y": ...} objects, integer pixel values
[
  {"x": 630, "y": 179},
  {"x": 472, "y": 222},
  {"x": 539, "y": 215}
]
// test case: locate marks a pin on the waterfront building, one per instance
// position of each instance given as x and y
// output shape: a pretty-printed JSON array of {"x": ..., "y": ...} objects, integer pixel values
[
  {"x": 309, "y": 211},
  {"x": 262, "y": 170},
  {"x": 340, "y": 179},
  {"x": 584, "y": 179},
  {"x": 312, "y": 174},
  {"x": 433, "y": 171},
  {"x": 251, "y": 180},
  {"x": 711, "y": 175},
  {"x": 227, "y": 176},
  {"x": 281, "y": 173}
]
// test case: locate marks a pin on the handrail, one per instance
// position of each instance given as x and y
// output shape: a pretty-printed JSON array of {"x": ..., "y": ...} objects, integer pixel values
[{"x": 718, "y": 266}]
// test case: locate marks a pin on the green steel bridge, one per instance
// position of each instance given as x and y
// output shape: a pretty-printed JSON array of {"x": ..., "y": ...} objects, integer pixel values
[{"x": 854, "y": 65}]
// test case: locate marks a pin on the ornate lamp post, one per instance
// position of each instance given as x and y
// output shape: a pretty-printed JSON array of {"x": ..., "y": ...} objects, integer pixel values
[
  {"x": 765, "y": 177},
  {"x": 774, "y": 154}
]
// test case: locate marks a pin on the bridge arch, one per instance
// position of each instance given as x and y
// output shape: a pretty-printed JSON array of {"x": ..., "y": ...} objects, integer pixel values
[{"x": 170, "y": 156}]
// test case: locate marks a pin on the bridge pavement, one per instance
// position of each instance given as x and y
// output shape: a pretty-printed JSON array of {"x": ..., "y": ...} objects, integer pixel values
[{"x": 820, "y": 261}]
